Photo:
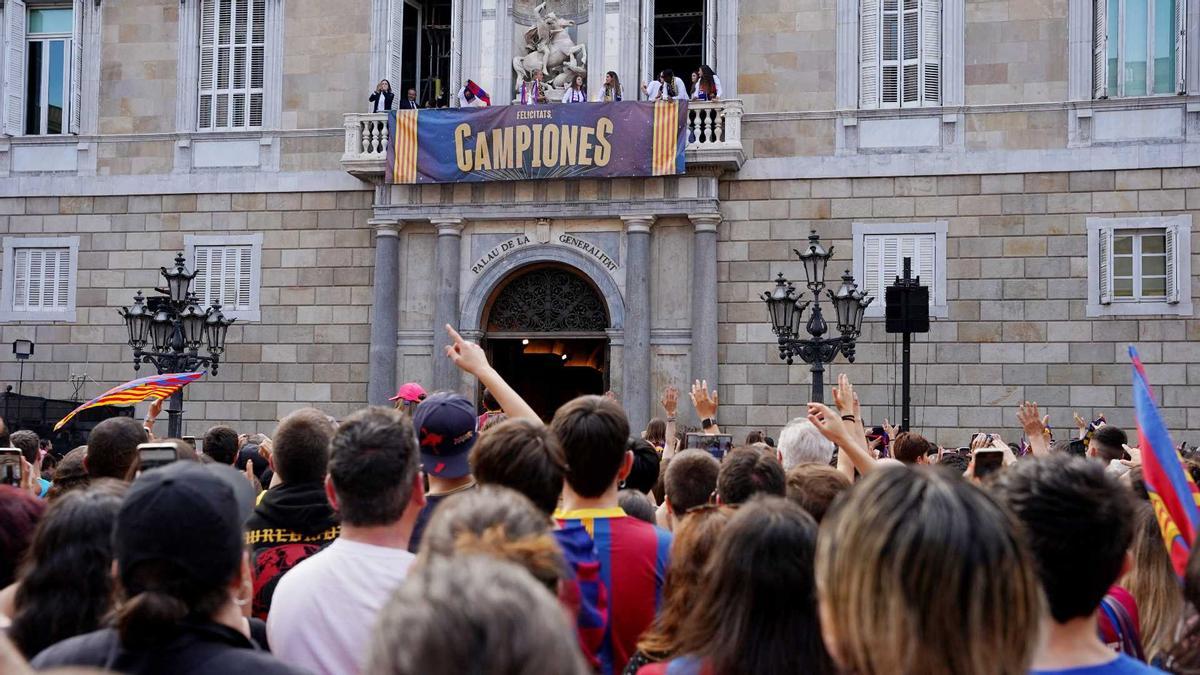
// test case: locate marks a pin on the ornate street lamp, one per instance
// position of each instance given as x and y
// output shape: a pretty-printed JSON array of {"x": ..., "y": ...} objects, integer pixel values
[
  {"x": 168, "y": 330},
  {"x": 786, "y": 310}
]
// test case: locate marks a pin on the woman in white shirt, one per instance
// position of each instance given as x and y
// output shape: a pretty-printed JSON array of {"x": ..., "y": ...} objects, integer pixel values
[
  {"x": 577, "y": 93},
  {"x": 705, "y": 71},
  {"x": 666, "y": 88}
]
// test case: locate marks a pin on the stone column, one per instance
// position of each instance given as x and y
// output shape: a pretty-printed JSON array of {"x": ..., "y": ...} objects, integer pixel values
[
  {"x": 385, "y": 310},
  {"x": 447, "y": 271},
  {"x": 704, "y": 298},
  {"x": 636, "y": 379}
]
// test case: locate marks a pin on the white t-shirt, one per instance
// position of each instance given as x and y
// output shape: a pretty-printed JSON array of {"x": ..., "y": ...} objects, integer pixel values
[{"x": 324, "y": 609}]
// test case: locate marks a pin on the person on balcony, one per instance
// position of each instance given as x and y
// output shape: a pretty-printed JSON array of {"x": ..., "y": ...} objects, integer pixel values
[
  {"x": 382, "y": 94},
  {"x": 410, "y": 102},
  {"x": 611, "y": 91},
  {"x": 718, "y": 92},
  {"x": 577, "y": 93},
  {"x": 704, "y": 85},
  {"x": 666, "y": 88},
  {"x": 532, "y": 92}
]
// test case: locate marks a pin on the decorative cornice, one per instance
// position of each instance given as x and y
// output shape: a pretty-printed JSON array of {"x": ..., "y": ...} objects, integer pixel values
[
  {"x": 562, "y": 210},
  {"x": 1137, "y": 103}
]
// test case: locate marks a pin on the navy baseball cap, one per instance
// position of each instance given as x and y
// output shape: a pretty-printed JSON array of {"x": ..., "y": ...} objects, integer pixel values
[{"x": 445, "y": 424}]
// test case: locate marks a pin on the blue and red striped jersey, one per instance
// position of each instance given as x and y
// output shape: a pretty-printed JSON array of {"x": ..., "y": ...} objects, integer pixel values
[{"x": 633, "y": 557}]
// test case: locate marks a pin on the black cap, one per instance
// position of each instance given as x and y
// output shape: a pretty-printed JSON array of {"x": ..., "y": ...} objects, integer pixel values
[{"x": 187, "y": 513}]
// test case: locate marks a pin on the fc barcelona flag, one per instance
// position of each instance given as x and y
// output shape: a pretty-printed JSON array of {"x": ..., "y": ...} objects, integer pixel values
[
  {"x": 581, "y": 140},
  {"x": 1174, "y": 496},
  {"x": 155, "y": 386}
]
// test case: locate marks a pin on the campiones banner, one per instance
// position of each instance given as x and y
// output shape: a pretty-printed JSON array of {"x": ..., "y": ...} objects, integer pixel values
[{"x": 583, "y": 140}]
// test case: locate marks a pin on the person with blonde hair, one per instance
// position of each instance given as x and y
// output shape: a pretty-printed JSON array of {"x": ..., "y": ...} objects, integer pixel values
[
  {"x": 1153, "y": 585},
  {"x": 922, "y": 573},
  {"x": 498, "y": 522}
]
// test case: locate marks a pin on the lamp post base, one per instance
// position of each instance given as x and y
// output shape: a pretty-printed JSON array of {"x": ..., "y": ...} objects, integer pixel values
[
  {"x": 818, "y": 382},
  {"x": 175, "y": 415}
]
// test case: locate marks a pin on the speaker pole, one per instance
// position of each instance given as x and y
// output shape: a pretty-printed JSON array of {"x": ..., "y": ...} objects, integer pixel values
[{"x": 906, "y": 362}]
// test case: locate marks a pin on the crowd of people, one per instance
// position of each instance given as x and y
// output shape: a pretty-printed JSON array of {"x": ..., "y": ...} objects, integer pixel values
[
  {"x": 704, "y": 86},
  {"x": 430, "y": 538}
]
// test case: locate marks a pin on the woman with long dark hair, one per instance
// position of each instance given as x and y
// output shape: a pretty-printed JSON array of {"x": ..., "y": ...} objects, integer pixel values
[
  {"x": 381, "y": 98},
  {"x": 183, "y": 581},
  {"x": 759, "y": 609},
  {"x": 66, "y": 587},
  {"x": 577, "y": 92},
  {"x": 612, "y": 88}
]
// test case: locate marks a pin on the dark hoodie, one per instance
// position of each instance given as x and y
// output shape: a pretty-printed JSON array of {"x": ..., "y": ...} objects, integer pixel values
[{"x": 290, "y": 523}]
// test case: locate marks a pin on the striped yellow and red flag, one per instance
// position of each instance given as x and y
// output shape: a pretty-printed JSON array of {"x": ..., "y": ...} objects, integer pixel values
[
  {"x": 403, "y": 163},
  {"x": 664, "y": 161},
  {"x": 155, "y": 386}
]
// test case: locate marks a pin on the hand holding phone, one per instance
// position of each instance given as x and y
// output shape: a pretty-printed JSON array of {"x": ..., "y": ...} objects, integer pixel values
[
  {"x": 10, "y": 467},
  {"x": 717, "y": 445},
  {"x": 988, "y": 461}
]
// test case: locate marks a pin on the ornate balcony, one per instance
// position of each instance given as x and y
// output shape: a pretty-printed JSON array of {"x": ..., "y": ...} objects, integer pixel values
[{"x": 714, "y": 139}]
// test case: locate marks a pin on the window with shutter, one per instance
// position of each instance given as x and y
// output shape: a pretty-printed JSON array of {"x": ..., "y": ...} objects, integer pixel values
[
  {"x": 76, "y": 94},
  {"x": 1139, "y": 266},
  {"x": 227, "y": 272},
  {"x": 883, "y": 255},
  {"x": 900, "y": 53},
  {"x": 1138, "y": 47},
  {"x": 223, "y": 276},
  {"x": 39, "y": 279},
  {"x": 232, "y": 64}
]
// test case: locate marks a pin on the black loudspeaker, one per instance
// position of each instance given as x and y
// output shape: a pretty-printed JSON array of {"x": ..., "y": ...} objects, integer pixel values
[{"x": 907, "y": 309}]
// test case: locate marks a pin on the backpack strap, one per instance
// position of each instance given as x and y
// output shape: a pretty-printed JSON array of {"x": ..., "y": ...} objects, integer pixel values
[{"x": 1121, "y": 622}]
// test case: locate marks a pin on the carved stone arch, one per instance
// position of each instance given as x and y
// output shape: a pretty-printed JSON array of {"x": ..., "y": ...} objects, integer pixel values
[
  {"x": 546, "y": 298},
  {"x": 482, "y": 291}
]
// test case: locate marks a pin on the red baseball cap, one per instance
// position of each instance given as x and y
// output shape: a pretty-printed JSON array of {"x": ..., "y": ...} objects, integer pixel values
[{"x": 410, "y": 392}]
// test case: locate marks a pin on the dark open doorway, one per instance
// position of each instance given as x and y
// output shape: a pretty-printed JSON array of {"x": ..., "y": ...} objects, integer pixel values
[
  {"x": 548, "y": 373},
  {"x": 546, "y": 335},
  {"x": 678, "y": 37}
]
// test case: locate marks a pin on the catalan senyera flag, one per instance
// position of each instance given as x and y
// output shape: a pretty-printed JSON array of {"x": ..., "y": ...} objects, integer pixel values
[
  {"x": 666, "y": 131},
  {"x": 155, "y": 386},
  {"x": 402, "y": 139},
  {"x": 1174, "y": 496}
]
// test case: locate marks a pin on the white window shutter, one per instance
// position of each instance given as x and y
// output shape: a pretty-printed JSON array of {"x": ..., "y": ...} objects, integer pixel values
[
  {"x": 201, "y": 281},
  {"x": 14, "y": 66},
  {"x": 1100, "y": 49},
  {"x": 258, "y": 61},
  {"x": 76, "y": 93},
  {"x": 62, "y": 292},
  {"x": 1104, "y": 265},
  {"x": 20, "y": 279},
  {"x": 395, "y": 45},
  {"x": 931, "y": 52},
  {"x": 872, "y": 266},
  {"x": 1181, "y": 46},
  {"x": 890, "y": 247},
  {"x": 890, "y": 53},
  {"x": 925, "y": 264},
  {"x": 868, "y": 54},
  {"x": 911, "y": 57},
  {"x": 208, "y": 62},
  {"x": 245, "y": 256},
  {"x": 1172, "y": 248}
]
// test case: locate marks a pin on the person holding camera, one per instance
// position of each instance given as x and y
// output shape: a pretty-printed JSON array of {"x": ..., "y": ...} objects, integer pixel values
[{"x": 382, "y": 94}]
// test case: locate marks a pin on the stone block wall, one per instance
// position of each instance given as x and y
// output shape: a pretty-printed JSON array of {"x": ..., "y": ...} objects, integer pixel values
[
  {"x": 1016, "y": 287},
  {"x": 310, "y": 347},
  {"x": 139, "y": 58}
]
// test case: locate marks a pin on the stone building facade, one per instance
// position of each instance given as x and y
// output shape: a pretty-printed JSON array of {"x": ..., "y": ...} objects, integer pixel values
[{"x": 1017, "y": 158}]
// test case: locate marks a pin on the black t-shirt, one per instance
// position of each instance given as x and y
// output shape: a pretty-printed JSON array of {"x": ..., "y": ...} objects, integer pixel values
[{"x": 431, "y": 503}]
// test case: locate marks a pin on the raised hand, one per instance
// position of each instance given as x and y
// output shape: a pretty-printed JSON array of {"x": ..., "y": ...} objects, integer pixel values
[
  {"x": 890, "y": 429},
  {"x": 843, "y": 395},
  {"x": 468, "y": 356},
  {"x": 704, "y": 402},
  {"x": 1033, "y": 423},
  {"x": 670, "y": 400}
]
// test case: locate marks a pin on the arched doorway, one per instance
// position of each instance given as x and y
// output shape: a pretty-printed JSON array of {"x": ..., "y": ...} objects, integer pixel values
[{"x": 545, "y": 332}]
